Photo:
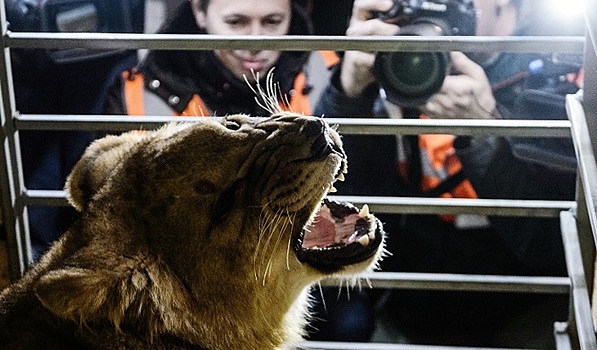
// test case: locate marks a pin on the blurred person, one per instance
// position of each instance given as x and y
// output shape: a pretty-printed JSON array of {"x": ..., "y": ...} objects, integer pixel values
[
  {"x": 57, "y": 81},
  {"x": 213, "y": 82},
  {"x": 484, "y": 86}
]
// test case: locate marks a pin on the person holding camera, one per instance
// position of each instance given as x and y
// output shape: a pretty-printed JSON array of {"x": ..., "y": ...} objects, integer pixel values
[{"x": 484, "y": 85}]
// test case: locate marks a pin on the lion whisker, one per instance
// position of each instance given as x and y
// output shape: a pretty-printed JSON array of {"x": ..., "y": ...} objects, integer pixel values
[
  {"x": 265, "y": 225},
  {"x": 275, "y": 228},
  {"x": 325, "y": 307},
  {"x": 291, "y": 220},
  {"x": 281, "y": 231},
  {"x": 268, "y": 99}
]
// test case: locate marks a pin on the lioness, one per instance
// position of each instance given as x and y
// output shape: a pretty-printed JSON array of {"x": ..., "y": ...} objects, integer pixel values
[{"x": 197, "y": 235}]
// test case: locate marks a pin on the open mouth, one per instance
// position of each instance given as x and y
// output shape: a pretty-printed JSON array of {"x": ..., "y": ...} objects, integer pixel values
[{"x": 339, "y": 235}]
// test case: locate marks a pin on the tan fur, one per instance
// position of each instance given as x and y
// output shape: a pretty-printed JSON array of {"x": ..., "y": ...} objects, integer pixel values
[
  {"x": 155, "y": 262},
  {"x": 4, "y": 273}
]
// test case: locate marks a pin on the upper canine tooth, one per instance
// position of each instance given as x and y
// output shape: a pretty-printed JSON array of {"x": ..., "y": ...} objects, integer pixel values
[
  {"x": 364, "y": 212},
  {"x": 341, "y": 177}
]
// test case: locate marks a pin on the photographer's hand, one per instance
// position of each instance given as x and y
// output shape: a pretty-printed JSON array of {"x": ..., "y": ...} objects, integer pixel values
[
  {"x": 467, "y": 95},
  {"x": 357, "y": 67}
]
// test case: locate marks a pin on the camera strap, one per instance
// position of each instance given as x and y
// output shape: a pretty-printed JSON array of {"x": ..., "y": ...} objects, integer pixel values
[{"x": 446, "y": 186}]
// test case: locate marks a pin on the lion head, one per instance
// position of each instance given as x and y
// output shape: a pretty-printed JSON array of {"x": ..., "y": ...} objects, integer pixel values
[{"x": 209, "y": 231}]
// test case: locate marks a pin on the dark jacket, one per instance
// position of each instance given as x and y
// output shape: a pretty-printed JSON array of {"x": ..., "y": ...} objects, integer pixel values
[
  {"x": 495, "y": 166},
  {"x": 185, "y": 73}
]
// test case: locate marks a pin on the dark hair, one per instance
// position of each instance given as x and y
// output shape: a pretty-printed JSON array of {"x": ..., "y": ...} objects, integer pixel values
[{"x": 203, "y": 4}]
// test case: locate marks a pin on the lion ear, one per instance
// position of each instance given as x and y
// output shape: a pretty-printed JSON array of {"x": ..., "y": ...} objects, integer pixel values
[
  {"x": 86, "y": 295},
  {"x": 74, "y": 293},
  {"x": 94, "y": 167}
]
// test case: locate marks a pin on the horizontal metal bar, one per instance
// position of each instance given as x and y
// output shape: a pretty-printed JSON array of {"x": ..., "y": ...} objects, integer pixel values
[
  {"x": 472, "y": 127},
  {"x": 45, "y": 198},
  {"x": 323, "y": 345},
  {"x": 459, "y": 282},
  {"x": 363, "y": 126},
  {"x": 498, "y": 207},
  {"x": 294, "y": 42},
  {"x": 94, "y": 122},
  {"x": 400, "y": 205}
]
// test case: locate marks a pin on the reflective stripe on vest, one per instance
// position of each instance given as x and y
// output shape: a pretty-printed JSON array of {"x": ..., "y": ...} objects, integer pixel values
[
  {"x": 133, "y": 87},
  {"x": 329, "y": 57},
  {"x": 134, "y": 98},
  {"x": 438, "y": 164},
  {"x": 440, "y": 170}
]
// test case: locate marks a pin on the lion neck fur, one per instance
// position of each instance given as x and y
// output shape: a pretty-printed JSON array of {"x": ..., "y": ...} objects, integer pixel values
[
  {"x": 255, "y": 314},
  {"x": 92, "y": 277}
]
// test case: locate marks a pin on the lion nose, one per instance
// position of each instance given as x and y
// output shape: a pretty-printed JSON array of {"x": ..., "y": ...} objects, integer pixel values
[{"x": 313, "y": 127}]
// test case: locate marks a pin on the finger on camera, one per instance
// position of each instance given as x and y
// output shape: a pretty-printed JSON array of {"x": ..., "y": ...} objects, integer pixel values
[
  {"x": 456, "y": 86},
  {"x": 360, "y": 58},
  {"x": 465, "y": 65},
  {"x": 362, "y": 9},
  {"x": 437, "y": 107},
  {"x": 372, "y": 27}
]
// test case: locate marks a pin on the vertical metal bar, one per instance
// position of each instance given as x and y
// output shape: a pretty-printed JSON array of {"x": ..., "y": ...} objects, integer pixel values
[
  {"x": 590, "y": 67},
  {"x": 586, "y": 188},
  {"x": 11, "y": 177},
  {"x": 580, "y": 322}
]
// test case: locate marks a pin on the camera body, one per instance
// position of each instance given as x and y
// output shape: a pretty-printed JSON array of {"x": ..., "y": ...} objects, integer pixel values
[
  {"x": 68, "y": 16},
  {"x": 410, "y": 78}
]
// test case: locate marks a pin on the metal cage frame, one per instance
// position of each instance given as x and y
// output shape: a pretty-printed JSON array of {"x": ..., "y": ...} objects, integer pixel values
[{"x": 578, "y": 218}]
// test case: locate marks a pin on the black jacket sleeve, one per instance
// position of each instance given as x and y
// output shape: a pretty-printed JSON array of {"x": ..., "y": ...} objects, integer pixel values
[
  {"x": 334, "y": 103},
  {"x": 496, "y": 172},
  {"x": 372, "y": 164}
]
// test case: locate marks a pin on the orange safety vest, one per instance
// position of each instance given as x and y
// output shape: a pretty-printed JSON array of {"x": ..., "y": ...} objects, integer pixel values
[
  {"x": 438, "y": 164},
  {"x": 298, "y": 100}
]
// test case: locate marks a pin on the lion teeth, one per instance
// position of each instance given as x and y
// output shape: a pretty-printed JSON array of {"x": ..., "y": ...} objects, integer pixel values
[
  {"x": 341, "y": 177},
  {"x": 333, "y": 189},
  {"x": 364, "y": 212},
  {"x": 371, "y": 233},
  {"x": 364, "y": 240}
]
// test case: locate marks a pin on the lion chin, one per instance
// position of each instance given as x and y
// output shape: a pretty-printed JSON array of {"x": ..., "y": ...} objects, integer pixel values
[{"x": 201, "y": 235}]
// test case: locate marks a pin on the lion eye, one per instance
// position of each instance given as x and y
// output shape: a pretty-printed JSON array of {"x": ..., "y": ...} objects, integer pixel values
[
  {"x": 231, "y": 125},
  {"x": 225, "y": 202}
]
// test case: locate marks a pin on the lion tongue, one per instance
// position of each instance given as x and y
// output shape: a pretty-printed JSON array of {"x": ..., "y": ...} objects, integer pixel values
[{"x": 328, "y": 231}]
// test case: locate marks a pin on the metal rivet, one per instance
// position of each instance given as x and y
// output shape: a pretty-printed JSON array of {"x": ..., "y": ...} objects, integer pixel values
[
  {"x": 173, "y": 100},
  {"x": 154, "y": 84}
]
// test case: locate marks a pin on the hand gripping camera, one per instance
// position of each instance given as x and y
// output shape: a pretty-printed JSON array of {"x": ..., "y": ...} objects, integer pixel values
[{"x": 410, "y": 78}]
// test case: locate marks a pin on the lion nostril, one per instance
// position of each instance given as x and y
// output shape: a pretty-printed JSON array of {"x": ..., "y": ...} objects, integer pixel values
[{"x": 313, "y": 127}]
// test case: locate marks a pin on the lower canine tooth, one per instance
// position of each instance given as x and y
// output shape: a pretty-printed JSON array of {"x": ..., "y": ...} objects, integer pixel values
[{"x": 364, "y": 240}]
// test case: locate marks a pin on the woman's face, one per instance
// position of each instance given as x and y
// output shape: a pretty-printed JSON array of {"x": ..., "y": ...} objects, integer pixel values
[{"x": 246, "y": 17}]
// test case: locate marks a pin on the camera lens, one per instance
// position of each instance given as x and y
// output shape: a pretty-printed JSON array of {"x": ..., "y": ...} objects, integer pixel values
[{"x": 409, "y": 78}]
